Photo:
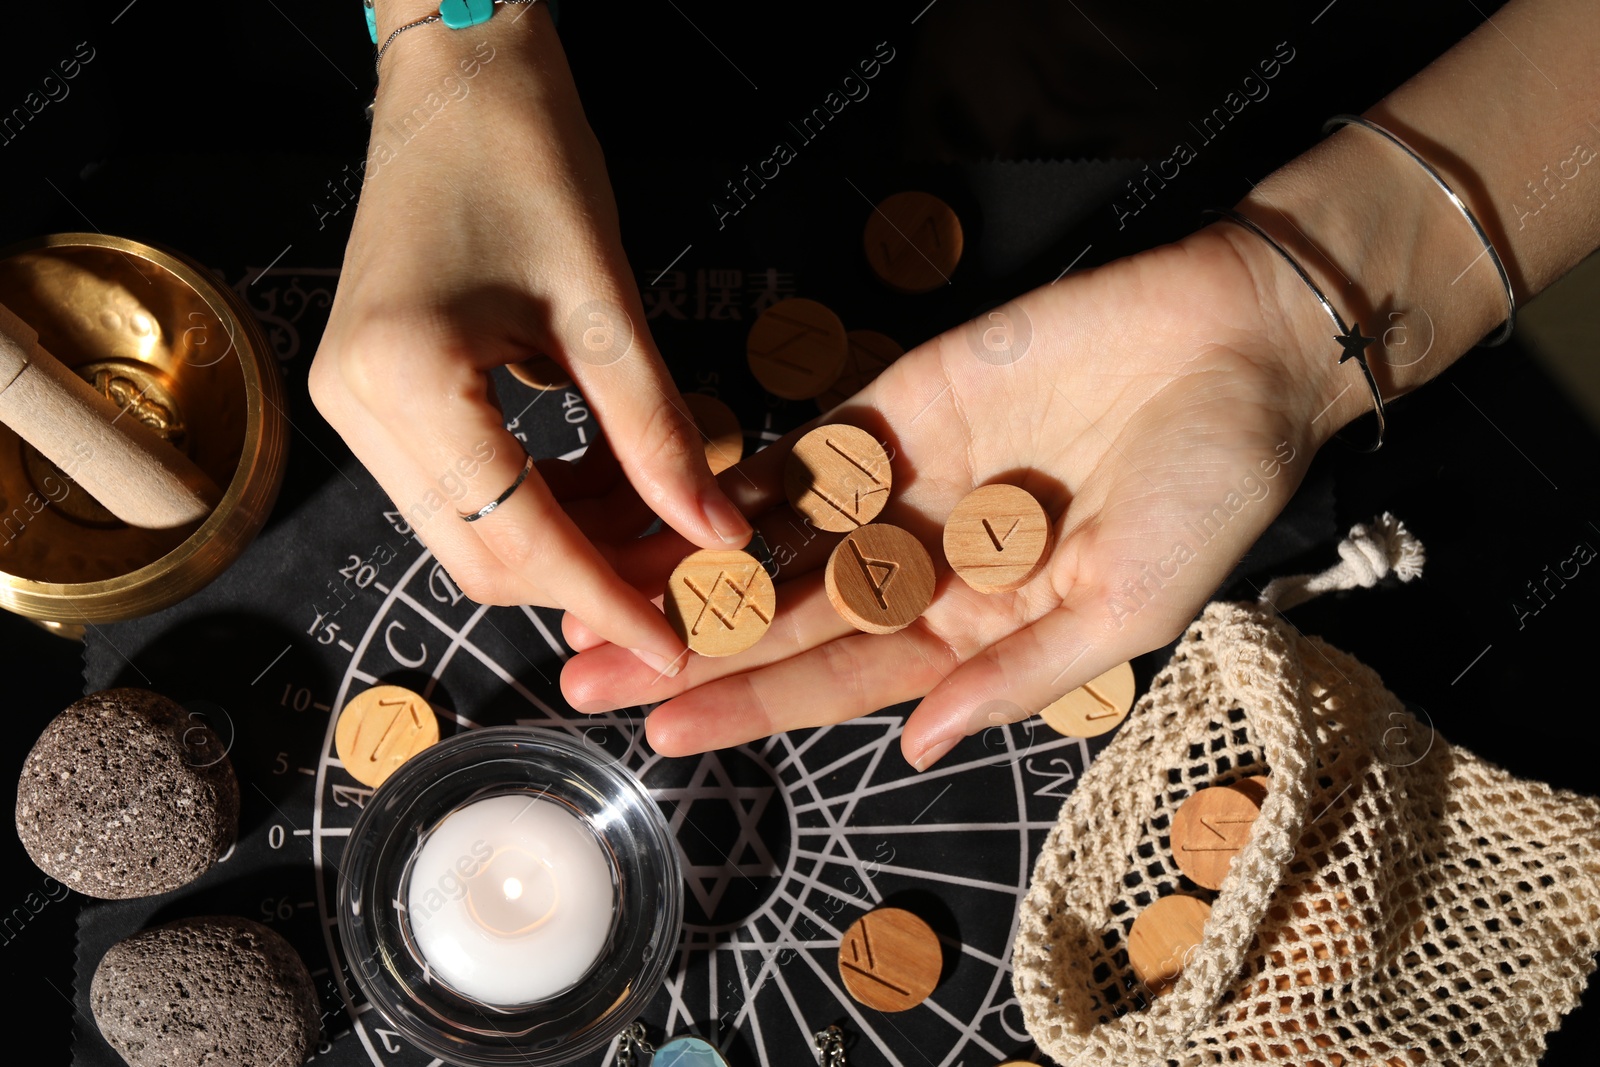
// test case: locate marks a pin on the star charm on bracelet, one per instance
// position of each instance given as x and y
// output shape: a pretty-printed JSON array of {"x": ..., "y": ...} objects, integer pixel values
[
  {"x": 1355, "y": 345},
  {"x": 1352, "y": 342}
]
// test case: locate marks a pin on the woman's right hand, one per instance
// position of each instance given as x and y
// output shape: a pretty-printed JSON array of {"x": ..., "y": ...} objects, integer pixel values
[{"x": 487, "y": 234}]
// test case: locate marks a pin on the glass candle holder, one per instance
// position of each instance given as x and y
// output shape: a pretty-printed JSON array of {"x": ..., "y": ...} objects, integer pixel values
[{"x": 442, "y": 849}]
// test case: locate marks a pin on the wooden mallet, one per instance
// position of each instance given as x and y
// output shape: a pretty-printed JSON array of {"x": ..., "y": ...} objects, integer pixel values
[{"x": 130, "y": 469}]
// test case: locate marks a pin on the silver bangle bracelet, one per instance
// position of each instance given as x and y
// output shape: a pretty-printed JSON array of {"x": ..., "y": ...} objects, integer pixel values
[
  {"x": 1504, "y": 332},
  {"x": 1350, "y": 338}
]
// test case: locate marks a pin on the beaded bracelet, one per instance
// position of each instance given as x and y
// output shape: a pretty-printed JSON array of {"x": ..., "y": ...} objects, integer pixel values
[{"x": 455, "y": 14}]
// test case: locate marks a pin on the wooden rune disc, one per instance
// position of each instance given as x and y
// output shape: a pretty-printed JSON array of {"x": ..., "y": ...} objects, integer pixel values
[
  {"x": 1209, "y": 829},
  {"x": 1096, "y": 707},
  {"x": 913, "y": 242},
  {"x": 1256, "y": 786},
  {"x": 1161, "y": 938},
  {"x": 542, "y": 373},
  {"x": 720, "y": 431},
  {"x": 890, "y": 960},
  {"x": 868, "y": 354},
  {"x": 720, "y": 601},
  {"x": 879, "y": 578},
  {"x": 997, "y": 538},
  {"x": 838, "y": 477},
  {"x": 380, "y": 729},
  {"x": 796, "y": 348}
]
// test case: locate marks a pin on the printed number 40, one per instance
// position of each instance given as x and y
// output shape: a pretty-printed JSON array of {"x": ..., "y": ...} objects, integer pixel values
[{"x": 576, "y": 412}]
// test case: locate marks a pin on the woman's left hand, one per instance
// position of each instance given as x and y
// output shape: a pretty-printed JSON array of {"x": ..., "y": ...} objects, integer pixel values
[{"x": 1155, "y": 408}]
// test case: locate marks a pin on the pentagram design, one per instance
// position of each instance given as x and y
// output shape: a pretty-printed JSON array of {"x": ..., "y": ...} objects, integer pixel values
[
  {"x": 785, "y": 842},
  {"x": 732, "y": 827}
]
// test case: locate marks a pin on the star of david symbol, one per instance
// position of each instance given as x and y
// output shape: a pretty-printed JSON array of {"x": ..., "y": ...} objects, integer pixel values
[
  {"x": 722, "y": 588},
  {"x": 749, "y": 857}
]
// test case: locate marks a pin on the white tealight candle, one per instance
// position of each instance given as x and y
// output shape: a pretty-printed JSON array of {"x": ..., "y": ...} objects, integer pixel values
[{"x": 511, "y": 900}]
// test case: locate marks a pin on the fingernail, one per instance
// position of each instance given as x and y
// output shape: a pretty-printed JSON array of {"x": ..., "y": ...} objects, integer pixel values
[
  {"x": 663, "y": 666},
  {"x": 994, "y": 713},
  {"x": 727, "y": 520},
  {"x": 934, "y": 754}
]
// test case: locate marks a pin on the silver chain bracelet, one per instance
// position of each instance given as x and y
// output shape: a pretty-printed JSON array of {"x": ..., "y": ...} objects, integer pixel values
[{"x": 425, "y": 20}]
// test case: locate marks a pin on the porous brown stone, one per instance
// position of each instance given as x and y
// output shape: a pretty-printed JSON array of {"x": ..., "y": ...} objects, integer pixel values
[
  {"x": 206, "y": 991},
  {"x": 126, "y": 794}
]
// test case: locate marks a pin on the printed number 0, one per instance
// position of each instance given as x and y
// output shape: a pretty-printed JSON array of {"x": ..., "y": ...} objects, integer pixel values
[{"x": 275, "y": 835}]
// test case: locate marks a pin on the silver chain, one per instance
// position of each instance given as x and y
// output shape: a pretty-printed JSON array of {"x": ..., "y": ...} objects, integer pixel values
[
  {"x": 631, "y": 1042},
  {"x": 423, "y": 21},
  {"x": 830, "y": 1047}
]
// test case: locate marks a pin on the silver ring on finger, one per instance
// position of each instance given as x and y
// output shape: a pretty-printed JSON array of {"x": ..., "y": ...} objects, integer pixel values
[{"x": 474, "y": 516}]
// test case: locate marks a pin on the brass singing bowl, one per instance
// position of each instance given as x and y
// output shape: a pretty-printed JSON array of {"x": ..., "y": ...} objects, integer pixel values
[{"x": 175, "y": 350}]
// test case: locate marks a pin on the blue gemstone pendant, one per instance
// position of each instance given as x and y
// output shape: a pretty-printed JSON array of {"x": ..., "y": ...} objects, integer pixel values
[
  {"x": 687, "y": 1052},
  {"x": 459, "y": 14}
]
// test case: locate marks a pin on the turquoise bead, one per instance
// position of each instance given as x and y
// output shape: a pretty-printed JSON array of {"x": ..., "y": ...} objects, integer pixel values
[
  {"x": 687, "y": 1052},
  {"x": 459, "y": 14},
  {"x": 372, "y": 20}
]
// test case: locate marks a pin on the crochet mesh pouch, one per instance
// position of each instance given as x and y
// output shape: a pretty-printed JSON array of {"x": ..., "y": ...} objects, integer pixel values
[{"x": 1400, "y": 900}]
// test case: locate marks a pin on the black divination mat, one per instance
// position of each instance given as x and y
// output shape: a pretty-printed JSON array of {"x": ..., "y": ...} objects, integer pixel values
[{"x": 786, "y": 841}]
